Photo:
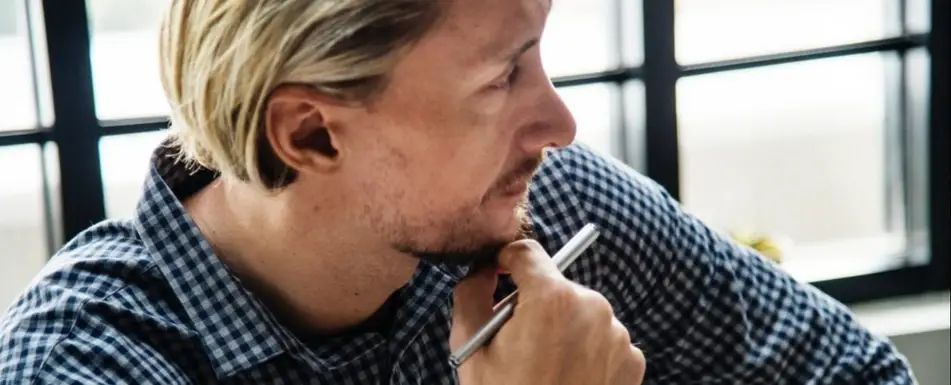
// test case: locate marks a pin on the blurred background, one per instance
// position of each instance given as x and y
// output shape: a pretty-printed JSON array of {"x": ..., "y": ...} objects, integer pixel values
[{"x": 808, "y": 128}]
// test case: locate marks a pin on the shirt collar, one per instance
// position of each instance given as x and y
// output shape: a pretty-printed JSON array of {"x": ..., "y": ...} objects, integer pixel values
[{"x": 236, "y": 330}]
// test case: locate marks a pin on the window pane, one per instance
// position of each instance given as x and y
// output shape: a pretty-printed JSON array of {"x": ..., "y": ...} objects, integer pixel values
[
  {"x": 16, "y": 73},
  {"x": 632, "y": 30},
  {"x": 714, "y": 30},
  {"x": 51, "y": 156},
  {"x": 125, "y": 163},
  {"x": 9, "y": 20},
  {"x": 918, "y": 72},
  {"x": 580, "y": 37},
  {"x": 635, "y": 124},
  {"x": 796, "y": 150},
  {"x": 594, "y": 108},
  {"x": 22, "y": 224},
  {"x": 918, "y": 16},
  {"x": 124, "y": 44}
]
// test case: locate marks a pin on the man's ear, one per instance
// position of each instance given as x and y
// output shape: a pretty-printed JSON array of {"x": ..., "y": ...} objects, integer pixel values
[{"x": 299, "y": 130}]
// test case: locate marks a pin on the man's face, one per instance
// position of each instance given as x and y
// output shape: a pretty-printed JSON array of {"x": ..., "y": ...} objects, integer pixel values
[{"x": 440, "y": 162}]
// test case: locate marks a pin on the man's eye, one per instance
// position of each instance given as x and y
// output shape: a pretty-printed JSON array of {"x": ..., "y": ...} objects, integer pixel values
[{"x": 509, "y": 79}]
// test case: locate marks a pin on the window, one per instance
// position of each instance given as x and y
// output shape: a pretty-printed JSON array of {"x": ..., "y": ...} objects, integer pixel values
[
  {"x": 124, "y": 50},
  {"x": 9, "y": 22},
  {"x": 632, "y": 36},
  {"x": 726, "y": 29},
  {"x": 797, "y": 150},
  {"x": 125, "y": 163},
  {"x": 633, "y": 149},
  {"x": 827, "y": 154},
  {"x": 594, "y": 108},
  {"x": 580, "y": 29},
  {"x": 17, "y": 93},
  {"x": 918, "y": 16},
  {"x": 582, "y": 40},
  {"x": 22, "y": 224}
]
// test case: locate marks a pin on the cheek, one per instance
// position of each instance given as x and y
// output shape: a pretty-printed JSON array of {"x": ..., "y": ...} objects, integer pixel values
[
  {"x": 411, "y": 177},
  {"x": 458, "y": 162},
  {"x": 456, "y": 179},
  {"x": 444, "y": 185},
  {"x": 443, "y": 156}
]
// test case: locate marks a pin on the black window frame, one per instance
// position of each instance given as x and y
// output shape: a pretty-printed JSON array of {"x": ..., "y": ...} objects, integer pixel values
[{"x": 77, "y": 130}]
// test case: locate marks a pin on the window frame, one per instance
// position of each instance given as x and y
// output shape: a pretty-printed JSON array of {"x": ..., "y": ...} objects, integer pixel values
[{"x": 82, "y": 193}]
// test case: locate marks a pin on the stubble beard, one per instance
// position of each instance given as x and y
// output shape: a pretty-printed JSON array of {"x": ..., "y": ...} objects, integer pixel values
[
  {"x": 476, "y": 255},
  {"x": 460, "y": 250}
]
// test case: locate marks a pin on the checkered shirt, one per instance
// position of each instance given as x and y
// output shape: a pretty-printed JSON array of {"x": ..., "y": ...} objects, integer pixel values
[{"x": 145, "y": 301}]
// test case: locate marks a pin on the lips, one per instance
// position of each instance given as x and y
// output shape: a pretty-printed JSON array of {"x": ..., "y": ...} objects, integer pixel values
[{"x": 516, "y": 182}]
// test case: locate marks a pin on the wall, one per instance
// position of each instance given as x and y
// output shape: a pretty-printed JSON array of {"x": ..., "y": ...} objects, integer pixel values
[
  {"x": 920, "y": 327},
  {"x": 929, "y": 353}
]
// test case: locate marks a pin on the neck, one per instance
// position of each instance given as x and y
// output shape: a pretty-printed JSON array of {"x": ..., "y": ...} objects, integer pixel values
[{"x": 317, "y": 280}]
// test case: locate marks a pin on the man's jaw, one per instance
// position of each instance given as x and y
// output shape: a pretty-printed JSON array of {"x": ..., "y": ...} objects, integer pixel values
[{"x": 481, "y": 255}]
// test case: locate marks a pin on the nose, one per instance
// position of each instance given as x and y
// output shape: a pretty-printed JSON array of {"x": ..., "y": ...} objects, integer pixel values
[{"x": 553, "y": 126}]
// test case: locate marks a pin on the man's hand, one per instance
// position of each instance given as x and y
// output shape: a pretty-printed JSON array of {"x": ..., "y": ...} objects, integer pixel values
[{"x": 560, "y": 333}]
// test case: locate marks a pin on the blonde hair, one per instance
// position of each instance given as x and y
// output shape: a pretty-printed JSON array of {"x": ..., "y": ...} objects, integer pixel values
[{"x": 220, "y": 60}]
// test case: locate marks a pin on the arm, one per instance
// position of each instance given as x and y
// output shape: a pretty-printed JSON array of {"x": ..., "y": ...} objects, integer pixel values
[
  {"x": 703, "y": 308},
  {"x": 58, "y": 343}
]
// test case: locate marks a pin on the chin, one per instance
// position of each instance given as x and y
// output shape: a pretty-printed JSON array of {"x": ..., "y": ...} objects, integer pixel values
[
  {"x": 506, "y": 216},
  {"x": 512, "y": 224},
  {"x": 480, "y": 245}
]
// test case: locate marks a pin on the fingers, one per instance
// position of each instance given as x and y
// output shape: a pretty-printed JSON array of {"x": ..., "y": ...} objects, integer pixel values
[
  {"x": 637, "y": 366},
  {"x": 528, "y": 264},
  {"x": 472, "y": 305},
  {"x": 631, "y": 364}
]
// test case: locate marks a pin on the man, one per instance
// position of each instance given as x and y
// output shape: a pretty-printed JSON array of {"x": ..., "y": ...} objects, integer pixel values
[{"x": 344, "y": 182}]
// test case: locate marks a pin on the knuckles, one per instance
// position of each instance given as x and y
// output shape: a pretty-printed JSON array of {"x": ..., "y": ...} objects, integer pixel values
[
  {"x": 560, "y": 298},
  {"x": 568, "y": 300},
  {"x": 526, "y": 245},
  {"x": 599, "y": 307},
  {"x": 638, "y": 363},
  {"x": 622, "y": 337},
  {"x": 520, "y": 249}
]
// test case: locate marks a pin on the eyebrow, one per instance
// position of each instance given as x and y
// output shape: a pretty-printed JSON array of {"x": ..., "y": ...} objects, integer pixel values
[{"x": 511, "y": 56}]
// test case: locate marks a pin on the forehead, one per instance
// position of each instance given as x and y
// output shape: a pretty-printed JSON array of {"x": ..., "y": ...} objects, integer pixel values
[{"x": 488, "y": 28}]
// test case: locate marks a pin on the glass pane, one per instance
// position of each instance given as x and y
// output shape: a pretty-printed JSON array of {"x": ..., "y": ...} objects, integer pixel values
[
  {"x": 17, "y": 98},
  {"x": 51, "y": 156},
  {"x": 635, "y": 125},
  {"x": 125, "y": 163},
  {"x": 22, "y": 224},
  {"x": 797, "y": 151},
  {"x": 124, "y": 44},
  {"x": 632, "y": 32},
  {"x": 580, "y": 37},
  {"x": 715, "y": 30},
  {"x": 918, "y": 16},
  {"x": 594, "y": 108},
  {"x": 918, "y": 72}
]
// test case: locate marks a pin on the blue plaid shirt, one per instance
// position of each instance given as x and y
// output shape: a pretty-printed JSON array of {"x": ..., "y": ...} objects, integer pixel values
[{"x": 145, "y": 301}]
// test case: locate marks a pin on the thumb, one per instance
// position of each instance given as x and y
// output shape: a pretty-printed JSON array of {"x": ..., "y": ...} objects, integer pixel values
[{"x": 472, "y": 305}]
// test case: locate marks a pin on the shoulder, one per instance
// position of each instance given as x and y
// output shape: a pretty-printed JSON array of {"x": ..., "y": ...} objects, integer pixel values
[
  {"x": 95, "y": 306},
  {"x": 577, "y": 181},
  {"x": 638, "y": 221},
  {"x": 593, "y": 175}
]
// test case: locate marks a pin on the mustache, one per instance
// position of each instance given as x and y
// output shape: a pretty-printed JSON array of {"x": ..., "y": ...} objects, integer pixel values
[{"x": 525, "y": 168}]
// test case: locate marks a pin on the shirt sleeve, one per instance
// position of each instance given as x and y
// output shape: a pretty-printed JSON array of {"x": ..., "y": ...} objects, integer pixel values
[
  {"x": 46, "y": 339},
  {"x": 706, "y": 310}
]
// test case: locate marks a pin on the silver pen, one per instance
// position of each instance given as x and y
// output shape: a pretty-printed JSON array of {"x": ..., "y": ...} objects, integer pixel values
[{"x": 563, "y": 258}]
